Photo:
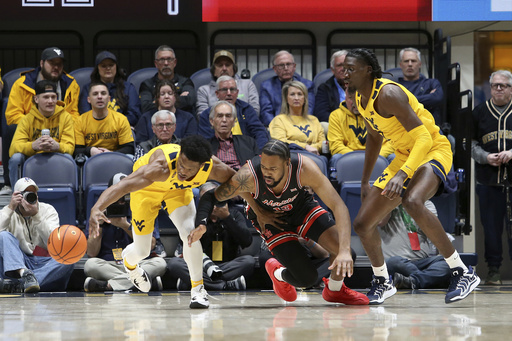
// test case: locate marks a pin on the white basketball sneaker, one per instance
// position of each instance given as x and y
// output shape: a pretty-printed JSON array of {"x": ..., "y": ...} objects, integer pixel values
[
  {"x": 199, "y": 298},
  {"x": 139, "y": 278}
]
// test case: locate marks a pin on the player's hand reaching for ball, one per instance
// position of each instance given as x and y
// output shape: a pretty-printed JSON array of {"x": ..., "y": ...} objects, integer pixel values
[
  {"x": 196, "y": 234},
  {"x": 96, "y": 218}
]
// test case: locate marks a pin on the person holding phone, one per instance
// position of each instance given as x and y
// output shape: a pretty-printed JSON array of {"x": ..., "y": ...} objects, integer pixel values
[
  {"x": 47, "y": 128},
  {"x": 104, "y": 268}
]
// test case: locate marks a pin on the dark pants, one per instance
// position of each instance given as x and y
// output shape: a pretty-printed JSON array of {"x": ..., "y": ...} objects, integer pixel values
[
  {"x": 427, "y": 273},
  {"x": 7, "y": 135},
  {"x": 493, "y": 212},
  {"x": 242, "y": 265}
]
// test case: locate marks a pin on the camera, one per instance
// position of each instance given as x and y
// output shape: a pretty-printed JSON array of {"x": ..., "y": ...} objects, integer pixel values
[
  {"x": 120, "y": 208},
  {"x": 30, "y": 197}
]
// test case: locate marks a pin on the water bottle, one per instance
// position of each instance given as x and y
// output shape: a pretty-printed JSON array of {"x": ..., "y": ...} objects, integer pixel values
[{"x": 332, "y": 173}]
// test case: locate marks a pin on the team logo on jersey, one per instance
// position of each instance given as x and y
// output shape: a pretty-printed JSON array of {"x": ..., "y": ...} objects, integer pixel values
[
  {"x": 305, "y": 129},
  {"x": 285, "y": 208},
  {"x": 267, "y": 233},
  {"x": 139, "y": 224},
  {"x": 179, "y": 186}
]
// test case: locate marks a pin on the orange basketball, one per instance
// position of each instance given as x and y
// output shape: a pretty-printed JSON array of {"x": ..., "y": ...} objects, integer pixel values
[{"x": 67, "y": 244}]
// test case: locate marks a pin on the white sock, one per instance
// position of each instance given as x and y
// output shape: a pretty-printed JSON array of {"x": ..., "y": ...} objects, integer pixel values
[
  {"x": 335, "y": 285},
  {"x": 279, "y": 274},
  {"x": 454, "y": 261},
  {"x": 381, "y": 271}
]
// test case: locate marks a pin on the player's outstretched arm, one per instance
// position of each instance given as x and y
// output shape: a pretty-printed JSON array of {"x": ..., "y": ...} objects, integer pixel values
[
  {"x": 312, "y": 176},
  {"x": 156, "y": 170},
  {"x": 220, "y": 171}
]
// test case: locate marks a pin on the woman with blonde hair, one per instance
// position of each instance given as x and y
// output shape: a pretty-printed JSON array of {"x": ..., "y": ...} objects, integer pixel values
[{"x": 295, "y": 125}]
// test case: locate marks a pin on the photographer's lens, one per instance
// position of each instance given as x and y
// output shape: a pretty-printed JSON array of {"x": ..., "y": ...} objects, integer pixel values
[{"x": 30, "y": 197}]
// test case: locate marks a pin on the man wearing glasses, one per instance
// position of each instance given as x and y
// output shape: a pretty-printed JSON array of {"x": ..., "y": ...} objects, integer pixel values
[
  {"x": 165, "y": 62},
  {"x": 246, "y": 120},
  {"x": 163, "y": 123},
  {"x": 492, "y": 151},
  {"x": 270, "y": 97}
]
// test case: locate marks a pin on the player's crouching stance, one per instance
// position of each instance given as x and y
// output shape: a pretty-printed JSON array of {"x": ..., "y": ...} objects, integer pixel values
[{"x": 282, "y": 210}]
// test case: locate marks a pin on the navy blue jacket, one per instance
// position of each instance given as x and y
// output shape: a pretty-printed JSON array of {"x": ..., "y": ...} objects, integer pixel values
[
  {"x": 247, "y": 118},
  {"x": 186, "y": 125},
  {"x": 421, "y": 88},
  {"x": 327, "y": 100}
]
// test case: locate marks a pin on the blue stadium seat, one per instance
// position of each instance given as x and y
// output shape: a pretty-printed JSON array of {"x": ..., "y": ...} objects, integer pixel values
[
  {"x": 395, "y": 73},
  {"x": 82, "y": 76},
  {"x": 56, "y": 175},
  {"x": 139, "y": 76},
  {"x": 9, "y": 78},
  {"x": 321, "y": 162},
  {"x": 349, "y": 169},
  {"x": 97, "y": 172},
  {"x": 201, "y": 77},
  {"x": 262, "y": 76},
  {"x": 322, "y": 77}
]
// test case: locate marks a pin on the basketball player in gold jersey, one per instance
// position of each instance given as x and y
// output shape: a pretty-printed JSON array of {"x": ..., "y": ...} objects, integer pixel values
[
  {"x": 423, "y": 158},
  {"x": 166, "y": 174}
]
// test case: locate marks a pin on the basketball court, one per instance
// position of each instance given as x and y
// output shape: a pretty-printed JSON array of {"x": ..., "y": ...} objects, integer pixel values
[{"x": 255, "y": 315}]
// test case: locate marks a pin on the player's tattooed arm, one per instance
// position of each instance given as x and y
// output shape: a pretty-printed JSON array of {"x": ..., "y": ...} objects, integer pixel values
[{"x": 241, "y": 182}]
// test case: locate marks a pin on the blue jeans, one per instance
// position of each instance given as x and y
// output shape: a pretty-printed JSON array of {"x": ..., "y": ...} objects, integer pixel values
[
  {"x": 427, "y": 273},
  {"x": 492, "y": 201},
  {"x": 51, "y": 275}
]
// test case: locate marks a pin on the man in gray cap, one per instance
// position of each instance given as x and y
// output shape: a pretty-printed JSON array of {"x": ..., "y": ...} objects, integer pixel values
[
  {"x": 23, "y": 90},
  {"x": 223, "y": 64}
]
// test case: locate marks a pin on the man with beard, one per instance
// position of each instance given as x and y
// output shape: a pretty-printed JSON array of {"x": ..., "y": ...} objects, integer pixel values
[
  {"x": 51, "y": 67},
  {"x": 282, "y": 210}
]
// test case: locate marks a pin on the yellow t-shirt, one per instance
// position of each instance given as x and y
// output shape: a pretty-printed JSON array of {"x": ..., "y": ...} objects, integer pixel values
[{"x": 110, "y": 132}]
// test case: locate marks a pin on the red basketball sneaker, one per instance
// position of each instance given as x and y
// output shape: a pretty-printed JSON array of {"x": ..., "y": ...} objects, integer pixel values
[
  {"x": 282, "y": 289},
  {"x": 345, "y": 295}
]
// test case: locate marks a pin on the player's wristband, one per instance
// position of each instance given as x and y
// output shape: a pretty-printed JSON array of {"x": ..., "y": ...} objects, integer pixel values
[{"x": 205, "y": 206}]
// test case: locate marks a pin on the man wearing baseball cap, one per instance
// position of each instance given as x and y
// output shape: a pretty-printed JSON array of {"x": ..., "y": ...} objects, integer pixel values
[
  {"x": 23, "y": 90},
  {"x": 25, "y": 225},
  {"x": 47, "y": 128},
  {"x": 223, "y": 64}
]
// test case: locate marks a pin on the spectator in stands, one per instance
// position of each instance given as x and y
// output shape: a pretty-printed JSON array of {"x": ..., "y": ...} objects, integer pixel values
[
  {"x": 428, "y": 91},
  {"x": 226, "y": 234},
  {"x": 410, "y": 256},
  {"x": 347, "y": 131},
  {"x": 247, "y": 122},
  {"x": 25, "y": 225},
  {"x": 492, "y": 140},
  {"x": 165, "y": 62},
  {"x": 294, "y": 125},
  {"x": 47, "y": 128},
  {"x": 102, "y": 129},
  {"x": 166, "y": 99},
  {"x": 331, "y": 93},
  {"x": 105, "y": 268},
  {"x": 163, "y": 124},
  {"x": 224, "y": 65},
  {"x": 123, "y": 95},
  {"x": 270, "y": 98},
  {"x": 51, "y": 67},
  {"x": 233, "y": 150}
]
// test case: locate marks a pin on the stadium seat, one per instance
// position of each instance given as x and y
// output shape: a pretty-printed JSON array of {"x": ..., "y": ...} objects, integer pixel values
[
  {"x": 56, "y": 175},
  {"x": 322, "y": 77},
  {"x": 349, "y": 169},
  {"x": 201, "y": 77},
  {"x": 82, "y": 76},
  {"x": 262, "y": 76},
  {"x": 395, "y": 73},
  {"x": 9, "y": 78},
  {"x": 97, "y": 172},
  {"x": 139, "y": 76},
  {"x": 319, "y": 160}
]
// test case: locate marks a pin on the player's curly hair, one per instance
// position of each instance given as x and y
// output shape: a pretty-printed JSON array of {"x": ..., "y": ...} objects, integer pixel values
[
  {"x": 277, "y": 147},
  {"x": 369, "y": 58},
  {"x": 196, "y": 148}
]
